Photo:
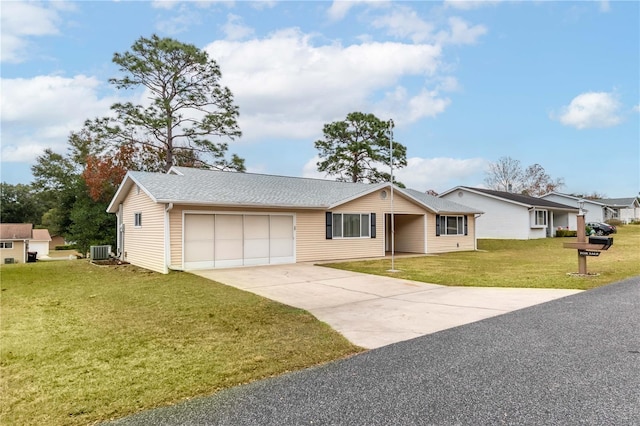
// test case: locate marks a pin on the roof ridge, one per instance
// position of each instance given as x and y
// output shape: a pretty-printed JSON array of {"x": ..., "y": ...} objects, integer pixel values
[{"x": 275, "y": 175}]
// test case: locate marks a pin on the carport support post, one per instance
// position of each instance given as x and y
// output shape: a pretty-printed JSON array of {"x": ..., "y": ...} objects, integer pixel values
[{"x": 582, "y": 260}]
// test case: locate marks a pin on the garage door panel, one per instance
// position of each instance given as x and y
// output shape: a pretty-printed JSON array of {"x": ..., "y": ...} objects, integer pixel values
[
  {"x": 256, "y": 239},
  {"x": 281, "y": 248},
  {"x": 281, "y": 243},
  {"x": 228, "y": 241},
  {"x": 228, "y": 227},
  {"x": 282, "y": 227},
  {"x": 256, "y": 227},
  {"x": 199, "y": 239}
]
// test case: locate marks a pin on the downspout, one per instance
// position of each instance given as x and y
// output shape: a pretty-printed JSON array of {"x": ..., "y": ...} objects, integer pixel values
[
  {"x": 120, "y": 234},
  {"x": 475, "y": 231},
  {"x": 167, "y": 237}
]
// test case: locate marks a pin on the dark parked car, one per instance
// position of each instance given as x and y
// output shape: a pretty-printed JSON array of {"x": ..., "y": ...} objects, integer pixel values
[{"x": 602, "y": 228}]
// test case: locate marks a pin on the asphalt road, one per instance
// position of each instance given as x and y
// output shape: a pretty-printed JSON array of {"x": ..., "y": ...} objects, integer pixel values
[{"x": 571, "y": 361}]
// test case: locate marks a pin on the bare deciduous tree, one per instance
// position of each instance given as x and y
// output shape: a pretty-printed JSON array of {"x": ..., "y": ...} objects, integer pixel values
[
  {"x": 507, "y": 175},
  {"x": 504, "y": 175}
]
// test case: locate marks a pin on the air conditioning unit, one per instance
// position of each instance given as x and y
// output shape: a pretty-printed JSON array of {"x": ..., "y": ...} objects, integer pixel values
[
  {"x": 100, "y": 252},
  {"x": 9, "y": 260}
]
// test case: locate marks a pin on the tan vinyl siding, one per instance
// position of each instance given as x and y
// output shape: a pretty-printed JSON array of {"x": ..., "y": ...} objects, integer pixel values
[
  {"x": 144, "y": 245},
  {"x": 374, "y": 203},
  {"x": 18, "y": 252},
  {"x": 175, "y": 237},
  {"x": 409, "y": 235},
  {"x": 312, "y": 244},
  {"x": 449, "y": 243}
]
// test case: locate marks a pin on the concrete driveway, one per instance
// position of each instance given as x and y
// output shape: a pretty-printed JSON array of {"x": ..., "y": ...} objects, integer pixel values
[{"x": 373, "y": 311}]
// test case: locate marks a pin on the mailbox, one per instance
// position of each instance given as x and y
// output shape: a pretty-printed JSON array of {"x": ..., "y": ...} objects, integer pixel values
[{"x": 605, "y": 242}]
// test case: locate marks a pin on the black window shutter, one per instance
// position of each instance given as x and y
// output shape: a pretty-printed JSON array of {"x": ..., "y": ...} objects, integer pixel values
[
  {"x": 329, "y": 225},
  {"x": 373, "y": 225},
  {"x": 466, "y": 225},
  {"x": 437, "y": 225}
]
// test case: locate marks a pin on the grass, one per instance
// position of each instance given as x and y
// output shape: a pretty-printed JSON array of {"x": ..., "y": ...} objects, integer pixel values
[
  {"x": 82, "y": 343},
  {"x": 540, "y": 263}
]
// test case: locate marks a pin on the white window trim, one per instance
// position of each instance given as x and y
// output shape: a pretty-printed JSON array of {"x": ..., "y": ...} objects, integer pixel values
[
  {"x": 534, "y": 219},
  {"x": 3, "y": 245},
  {"x": 443, "y": 230},
  {"x": 341, "y": 236},
  {"x": 137, "y": 220}
]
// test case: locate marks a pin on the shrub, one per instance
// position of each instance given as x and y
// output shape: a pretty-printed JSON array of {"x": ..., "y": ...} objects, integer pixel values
[
  {"x": 566, "y": 233},
  {"x": 66, "y": 247},
  {"x": 614, "y": 222}
]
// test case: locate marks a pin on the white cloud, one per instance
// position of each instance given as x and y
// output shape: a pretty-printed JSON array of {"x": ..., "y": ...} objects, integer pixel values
[
  {"x": 591, "y": 110},
  {"x": 264, "y": 4},
  {"x": 21, "y": 21},
  {"x": 180, "y": 20},
  {"x": 182, "y": 15},
  {"x": 164, "y": 4},
  {"x": 310, "y": 170},
  {"x": 339, "y": 8},
  {"x": 234, "y": 28},
  {"x": 40, "y": 113},
  {"x": 605, "y": 6},
  {"x": 469, "y": 5},
  {"x": 48, "y": 99},
  {"x": 461, "y": 32},
  {"x": 288, "y": 87},
  {"x": 423, "y": 174},
  {"x": 406, "y": 108},
  {"x": 404, "y": 22},
  {"x": 441, "y": 173}
]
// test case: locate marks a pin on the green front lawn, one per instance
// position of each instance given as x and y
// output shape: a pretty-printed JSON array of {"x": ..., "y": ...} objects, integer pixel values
[
  {"x": 542, "y": 263},
  {"x": 82, "y": 343}
]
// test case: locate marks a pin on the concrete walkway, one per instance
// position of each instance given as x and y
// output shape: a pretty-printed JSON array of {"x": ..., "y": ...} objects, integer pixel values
[{"x": 373, "y": 311}]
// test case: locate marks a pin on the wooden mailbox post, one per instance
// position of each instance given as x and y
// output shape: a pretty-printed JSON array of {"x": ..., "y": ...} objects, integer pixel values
[{"x": 590, "y": 247}]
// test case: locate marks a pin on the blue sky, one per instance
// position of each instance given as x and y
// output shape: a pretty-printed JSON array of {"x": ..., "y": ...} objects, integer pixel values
[{"x": 554, "y": 83}]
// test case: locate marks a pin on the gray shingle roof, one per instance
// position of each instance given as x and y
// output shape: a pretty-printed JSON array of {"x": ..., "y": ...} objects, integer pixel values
[
  {"x": 522, "y": 199},
  {"x": 441, "y": 205},
  {"x": 197, "y": 186},
  {"x": 248, "y": 189},
  {"x": 617, "y": 202}
]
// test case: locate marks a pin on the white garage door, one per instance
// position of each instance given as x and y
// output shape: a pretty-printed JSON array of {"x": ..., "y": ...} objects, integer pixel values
[{"x": 225, "y": 240}]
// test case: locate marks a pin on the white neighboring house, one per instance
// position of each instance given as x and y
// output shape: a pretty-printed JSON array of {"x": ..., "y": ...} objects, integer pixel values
[
  {"x": 625, "y": 209},
  {"x": 600, "y": 210},
  {"x": 513, "y": 216},
  {"x": 595, "y": 210}
]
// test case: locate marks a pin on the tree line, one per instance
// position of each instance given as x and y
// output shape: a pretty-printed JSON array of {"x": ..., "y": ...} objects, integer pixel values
[{"x": 187, "y": 119}]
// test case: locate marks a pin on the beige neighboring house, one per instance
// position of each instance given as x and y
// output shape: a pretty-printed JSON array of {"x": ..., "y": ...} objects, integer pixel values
[
  {"x": 14, "y": 242},
  {"x": 39, "y": 242},
  {"x": 189, "y": 219},
  {"x": 56, "y": 240}
]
